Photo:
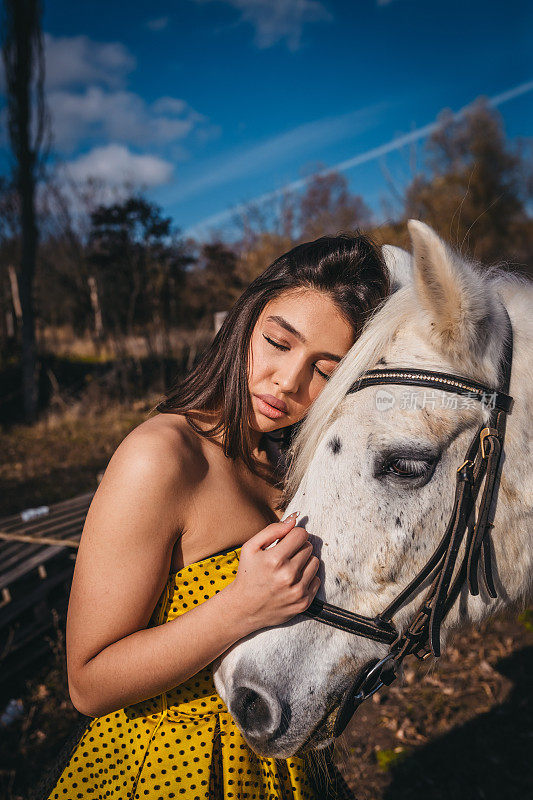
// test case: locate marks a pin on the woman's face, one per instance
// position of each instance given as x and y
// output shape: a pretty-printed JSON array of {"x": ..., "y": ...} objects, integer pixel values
[{"x": 295, "y": 346}]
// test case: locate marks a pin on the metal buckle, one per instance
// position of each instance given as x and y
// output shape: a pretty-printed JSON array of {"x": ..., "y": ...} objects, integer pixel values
[
  {"x": 422, "y": 654},
  {"x": 483, "y": 435},
  {"x": 371, "y": 681},
  {"x": 464, "y": 464}
]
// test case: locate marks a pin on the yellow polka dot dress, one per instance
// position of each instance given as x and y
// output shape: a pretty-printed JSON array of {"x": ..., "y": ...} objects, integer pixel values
[{"x": 183, "y": 743}]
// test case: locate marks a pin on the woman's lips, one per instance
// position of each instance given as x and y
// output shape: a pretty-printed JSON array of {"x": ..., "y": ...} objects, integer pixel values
[{"x": 267, "y": 407}]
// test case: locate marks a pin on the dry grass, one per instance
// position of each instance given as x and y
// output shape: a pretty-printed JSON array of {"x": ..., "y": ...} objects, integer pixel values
[
  {"x": 64, "y": 342},
  {"x": 62, "y": 455},
  {"x": 59, "y": 457}
]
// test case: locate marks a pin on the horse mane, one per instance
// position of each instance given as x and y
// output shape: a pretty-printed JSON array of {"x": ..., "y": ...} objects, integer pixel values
[{"x": 376, "y": 336}]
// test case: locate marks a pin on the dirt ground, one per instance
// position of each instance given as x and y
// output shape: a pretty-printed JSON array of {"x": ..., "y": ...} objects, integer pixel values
[{"x": 461, "y": 729}]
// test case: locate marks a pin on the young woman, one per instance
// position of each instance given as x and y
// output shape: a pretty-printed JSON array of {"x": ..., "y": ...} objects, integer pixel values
[{"x": 171, "y": 571}]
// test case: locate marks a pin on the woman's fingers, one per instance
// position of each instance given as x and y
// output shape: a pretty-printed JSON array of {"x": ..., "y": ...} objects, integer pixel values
[
  {"x": 278, "y": 584},
  {"x": 299, "y": 560},
  {"x": 309, "y": 573},
  {"x": 269, "y": 535},
  {"x": 312, "y": 589},
  {"x": 287, "y": 547}
]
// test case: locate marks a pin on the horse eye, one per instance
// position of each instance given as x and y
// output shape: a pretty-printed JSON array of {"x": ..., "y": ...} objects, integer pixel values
[
  {"x": 409, "y": 471},
  {"x": 408, "y": 467}
]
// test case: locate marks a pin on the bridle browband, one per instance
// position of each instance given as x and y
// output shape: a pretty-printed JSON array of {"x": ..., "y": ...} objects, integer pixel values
[{"x": 421, "y": 637}]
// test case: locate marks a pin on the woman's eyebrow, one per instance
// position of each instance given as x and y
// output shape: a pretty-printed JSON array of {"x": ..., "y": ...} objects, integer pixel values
[
  {"x": 288, "y": 327},
  {"x": 282, "y": 322}
]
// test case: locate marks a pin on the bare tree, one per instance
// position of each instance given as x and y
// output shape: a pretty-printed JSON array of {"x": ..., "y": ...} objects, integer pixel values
[
  {"x": 327, "y": 206},
  {"x": 23, "y": 57},
  {"x": 474, "y": 187}
]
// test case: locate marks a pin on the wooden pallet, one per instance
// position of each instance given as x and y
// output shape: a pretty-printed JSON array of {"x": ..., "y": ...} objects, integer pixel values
[{"x": 36, "y": 564}]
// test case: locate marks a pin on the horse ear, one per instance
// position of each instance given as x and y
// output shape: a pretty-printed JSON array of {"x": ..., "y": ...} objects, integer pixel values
[
  {"x": 460, "y": 305},
  {"x": 400, "y": 265}
]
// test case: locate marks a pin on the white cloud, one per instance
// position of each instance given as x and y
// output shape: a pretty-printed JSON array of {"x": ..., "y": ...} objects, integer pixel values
[
  {"x": 158, "y": 24},
  {"x": 115, "y": 166},
  {"x": 78, "y": 60},
  {"x": 169, "y": 105},
  {"x": 101, "y": 114},
  {"x": 278, "y": 20},
  {"x": 90, "y": 105}
]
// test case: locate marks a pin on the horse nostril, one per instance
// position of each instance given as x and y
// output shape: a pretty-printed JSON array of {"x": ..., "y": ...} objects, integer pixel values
[{"x": 257, "y": 713}]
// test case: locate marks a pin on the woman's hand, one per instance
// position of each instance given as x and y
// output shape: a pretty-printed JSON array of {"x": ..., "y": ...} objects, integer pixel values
[{"x": 274, "y": 583}]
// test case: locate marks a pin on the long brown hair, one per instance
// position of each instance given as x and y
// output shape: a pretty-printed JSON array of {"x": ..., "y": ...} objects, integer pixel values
[{"x": 348, "y": 267}]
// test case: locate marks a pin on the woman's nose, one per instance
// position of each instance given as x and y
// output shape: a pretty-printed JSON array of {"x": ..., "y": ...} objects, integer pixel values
[{"x": 290, "y": 378}]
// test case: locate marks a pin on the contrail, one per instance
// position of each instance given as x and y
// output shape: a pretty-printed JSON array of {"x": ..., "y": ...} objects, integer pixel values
[{"x": 362, "y": 158}]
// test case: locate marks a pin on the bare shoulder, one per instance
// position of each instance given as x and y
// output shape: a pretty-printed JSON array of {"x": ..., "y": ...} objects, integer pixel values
[
  {"x": 150, "y": 479},
  {"x": 163, "y": 445}
]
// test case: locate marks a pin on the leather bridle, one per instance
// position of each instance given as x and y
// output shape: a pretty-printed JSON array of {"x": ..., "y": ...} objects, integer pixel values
[{"x": 421, "y": 637}]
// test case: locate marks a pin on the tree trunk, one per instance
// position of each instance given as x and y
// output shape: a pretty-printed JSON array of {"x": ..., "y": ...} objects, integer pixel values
[
  {"x": 15, "y": 297},
  {"x": 97, "y": 311},
  {"x": 25, "y": 284},
  {"x": 24, "y": 62}
]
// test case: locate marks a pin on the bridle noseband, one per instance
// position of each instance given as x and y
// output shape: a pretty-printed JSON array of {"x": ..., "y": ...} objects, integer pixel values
[{"x": 421, "y": 637}]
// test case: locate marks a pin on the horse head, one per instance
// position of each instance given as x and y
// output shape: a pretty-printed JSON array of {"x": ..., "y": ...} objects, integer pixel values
[{"x": 374, "y": 474}]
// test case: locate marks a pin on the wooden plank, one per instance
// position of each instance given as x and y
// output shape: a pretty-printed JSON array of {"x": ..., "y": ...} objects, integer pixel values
[
  {"x": 20, "y": 537},
  {"x": 71, "y": 523},
  {"x": 73, "y": 519},
  {"x": 17, "y": 553},
  {"x": 16, "y": 608},
  {"x": 36, "y": 567},
  {"x": 15, "y": 519},
  {"x": 18, "y": 550},
  {"x": 26, "y": 551},
  {"x": 43, "y": 524},
  {"x": 29, "y": 564}
]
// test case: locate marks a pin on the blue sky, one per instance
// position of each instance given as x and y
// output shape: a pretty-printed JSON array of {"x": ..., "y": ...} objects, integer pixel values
[{"x": 212, "y": 103}]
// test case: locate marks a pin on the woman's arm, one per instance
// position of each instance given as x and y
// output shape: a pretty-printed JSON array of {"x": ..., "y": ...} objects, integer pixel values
[{"x": 123, "y": 562}]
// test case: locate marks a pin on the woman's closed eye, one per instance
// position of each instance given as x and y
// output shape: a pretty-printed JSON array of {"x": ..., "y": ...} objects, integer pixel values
[
  {"x": 279, "y": 346},
  {"x": 276, "y": 344},
  {"x": 322, "y": 374}
]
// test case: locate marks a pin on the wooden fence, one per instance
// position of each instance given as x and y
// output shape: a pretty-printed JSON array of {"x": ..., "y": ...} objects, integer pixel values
[{"x": 37, "y": 554}]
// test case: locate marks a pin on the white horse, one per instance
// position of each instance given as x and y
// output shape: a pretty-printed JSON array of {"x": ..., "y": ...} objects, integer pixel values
[{"x": 375, "y": 484}]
